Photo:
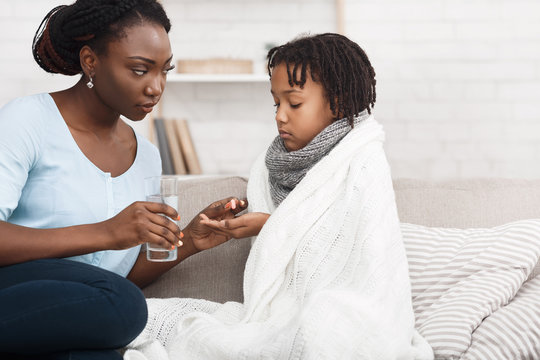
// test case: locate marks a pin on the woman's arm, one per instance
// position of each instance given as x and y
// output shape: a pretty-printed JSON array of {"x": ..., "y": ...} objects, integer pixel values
[
  {"x": 19, "y": 244},
  {"x": 138, "y": 223}
]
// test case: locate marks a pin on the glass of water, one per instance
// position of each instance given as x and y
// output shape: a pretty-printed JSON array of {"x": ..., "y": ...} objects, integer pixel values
[{"x": 161, "y": 189}]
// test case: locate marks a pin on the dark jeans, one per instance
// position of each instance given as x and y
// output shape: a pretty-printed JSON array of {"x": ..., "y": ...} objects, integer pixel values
[{"x": 62, "y": 309}]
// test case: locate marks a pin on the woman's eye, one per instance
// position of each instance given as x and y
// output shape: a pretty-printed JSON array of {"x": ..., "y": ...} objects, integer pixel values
[
  {"x": 139, "y": 72},
  {"x": 295, "y": 106},
  {"x": 167, "y": 70},
  {"x": 276, "y": 106}
]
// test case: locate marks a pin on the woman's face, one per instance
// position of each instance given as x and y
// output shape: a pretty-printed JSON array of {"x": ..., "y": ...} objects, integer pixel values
[
  {"x": 301, "y": 113},
  {"x": 130, "y": 77}
]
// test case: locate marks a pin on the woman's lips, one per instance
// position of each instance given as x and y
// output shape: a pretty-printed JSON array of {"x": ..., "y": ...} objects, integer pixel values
[{"x": 147, "y": 107}]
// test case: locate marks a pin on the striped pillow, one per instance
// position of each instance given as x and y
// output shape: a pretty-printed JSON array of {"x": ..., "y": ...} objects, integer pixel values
[
  {"x": 512, "y": 332},
  {"x": 459, "y": 277}
]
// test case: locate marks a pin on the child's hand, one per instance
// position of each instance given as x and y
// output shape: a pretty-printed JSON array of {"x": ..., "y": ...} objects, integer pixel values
[
  {"x": 246, "y": 225},
  {"x": 204, "y": 237}
]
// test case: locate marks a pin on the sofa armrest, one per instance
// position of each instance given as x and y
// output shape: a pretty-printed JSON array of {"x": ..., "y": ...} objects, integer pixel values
[{"x": 216, "y": 274}]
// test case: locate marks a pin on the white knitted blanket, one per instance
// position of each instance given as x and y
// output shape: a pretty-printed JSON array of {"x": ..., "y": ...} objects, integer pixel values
[{"x": 327, "y": 277}]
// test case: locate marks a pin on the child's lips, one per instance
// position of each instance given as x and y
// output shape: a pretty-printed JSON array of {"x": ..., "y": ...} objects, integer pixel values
[{"x": 284, "y": 134}]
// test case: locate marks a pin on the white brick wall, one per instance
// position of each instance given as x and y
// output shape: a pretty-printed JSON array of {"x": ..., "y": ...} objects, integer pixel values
[{"x": 458, "y": 81}]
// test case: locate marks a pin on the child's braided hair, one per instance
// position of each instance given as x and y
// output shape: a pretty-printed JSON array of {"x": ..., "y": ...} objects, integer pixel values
[{"x": 339, "y": 64}]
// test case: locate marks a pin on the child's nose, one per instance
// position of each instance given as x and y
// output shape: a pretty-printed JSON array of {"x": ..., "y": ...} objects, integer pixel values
[{"x": 281, "y": 116}]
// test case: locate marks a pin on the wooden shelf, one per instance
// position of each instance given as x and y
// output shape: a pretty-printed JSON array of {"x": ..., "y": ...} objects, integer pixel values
[{"x": 195, "y": 78}]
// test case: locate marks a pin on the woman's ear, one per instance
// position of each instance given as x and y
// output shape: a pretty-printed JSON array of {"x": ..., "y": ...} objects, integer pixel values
[{"x": 88, "y": 60}]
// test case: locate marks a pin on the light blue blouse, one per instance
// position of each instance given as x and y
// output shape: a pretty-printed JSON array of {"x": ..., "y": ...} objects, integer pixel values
[{"x": 47, "y": 182}]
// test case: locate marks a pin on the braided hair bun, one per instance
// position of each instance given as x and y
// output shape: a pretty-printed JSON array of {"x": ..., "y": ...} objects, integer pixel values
[{"x": 66, "y": 29}]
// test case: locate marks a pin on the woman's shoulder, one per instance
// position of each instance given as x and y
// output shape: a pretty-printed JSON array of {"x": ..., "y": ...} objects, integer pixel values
[
  {"x": 24, "y": 129},
  {"x": 30, "y": 110},
  {"x": 22, "y": 102}
]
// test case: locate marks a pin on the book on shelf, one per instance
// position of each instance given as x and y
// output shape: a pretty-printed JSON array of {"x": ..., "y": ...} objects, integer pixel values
[
  {"x": 163, "y": 146},
  {"x": 177, "y": 157},
  {"x": 188, "y": 149},
  {"x": 178, "y": 154}
]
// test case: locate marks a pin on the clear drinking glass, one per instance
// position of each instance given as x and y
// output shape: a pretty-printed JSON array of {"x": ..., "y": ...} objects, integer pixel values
[{"x": 161, "y": 189}]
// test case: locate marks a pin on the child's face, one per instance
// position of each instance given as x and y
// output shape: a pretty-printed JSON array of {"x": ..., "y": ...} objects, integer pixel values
[{"x": 301, "y": 113}]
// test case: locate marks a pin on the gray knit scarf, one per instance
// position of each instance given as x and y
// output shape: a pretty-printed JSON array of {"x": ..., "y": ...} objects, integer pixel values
[{"x": 286, "y": 169}]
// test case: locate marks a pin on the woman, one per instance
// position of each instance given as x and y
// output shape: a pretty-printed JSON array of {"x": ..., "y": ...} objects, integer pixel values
[{"x": 71, "y": 181}]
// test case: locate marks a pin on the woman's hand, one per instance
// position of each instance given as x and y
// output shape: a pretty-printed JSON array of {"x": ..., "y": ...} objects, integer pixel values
[
  {"x": 198, "y": 237},
  {"x": 204, "y": 237},
  {"x": 246, "y": 225},
  {"x": 143, "y": 222}
]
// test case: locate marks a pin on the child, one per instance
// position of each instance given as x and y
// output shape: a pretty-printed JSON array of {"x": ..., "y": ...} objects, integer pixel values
[{"x": 327, "y": 276}]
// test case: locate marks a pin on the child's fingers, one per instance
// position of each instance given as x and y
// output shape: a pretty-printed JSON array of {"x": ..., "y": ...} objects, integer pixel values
[
  {"x": 232, "y": 224},
  {"x": 213, "y": 224},
  {"x": 216, "y": 227}
]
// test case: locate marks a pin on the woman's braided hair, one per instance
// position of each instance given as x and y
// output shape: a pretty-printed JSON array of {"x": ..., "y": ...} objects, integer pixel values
[
  {"x": 66, "y": 29},
  {"x": 339, "y": 64}
]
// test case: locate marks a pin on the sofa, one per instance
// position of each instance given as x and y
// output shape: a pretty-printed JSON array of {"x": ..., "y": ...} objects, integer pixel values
[{"x": 445, "y": 210}]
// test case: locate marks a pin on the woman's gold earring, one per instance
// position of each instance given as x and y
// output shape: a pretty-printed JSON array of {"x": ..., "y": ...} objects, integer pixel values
[{"x": 90, "y": 84}]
